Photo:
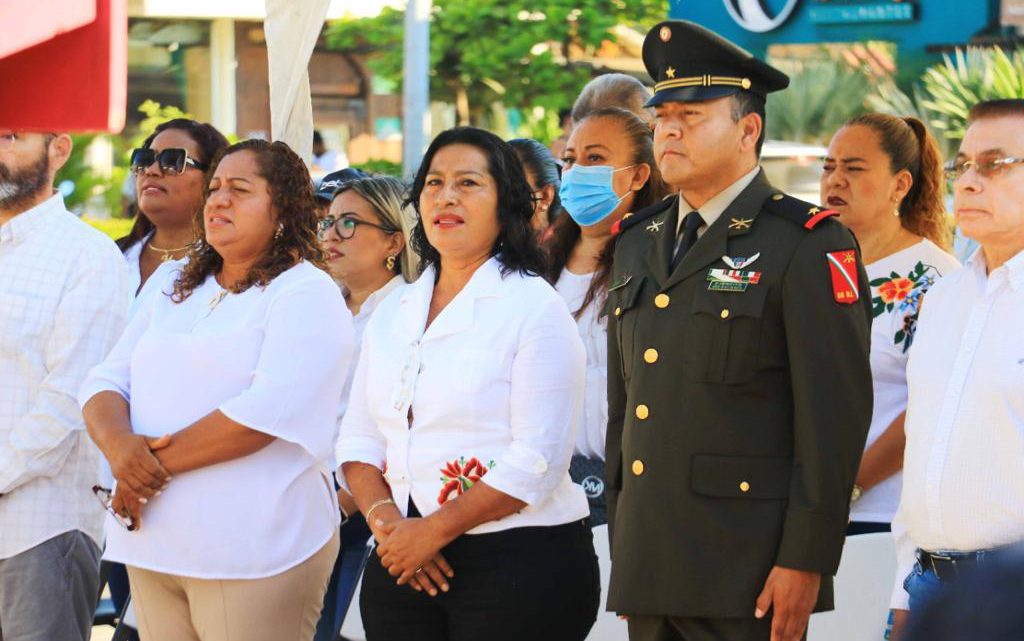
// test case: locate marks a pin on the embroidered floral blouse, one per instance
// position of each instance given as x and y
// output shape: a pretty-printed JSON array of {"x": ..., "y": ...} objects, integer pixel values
[
  {"x": 494, "y": 390},
  {"x": 899, "y": 283}
]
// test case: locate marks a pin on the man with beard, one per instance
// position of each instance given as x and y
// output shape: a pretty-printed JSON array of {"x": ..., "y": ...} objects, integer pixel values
[{"x": 63, "y": 300}]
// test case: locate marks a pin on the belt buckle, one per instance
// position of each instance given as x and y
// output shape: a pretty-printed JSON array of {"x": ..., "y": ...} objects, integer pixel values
[{"x": 932, "y": 557}]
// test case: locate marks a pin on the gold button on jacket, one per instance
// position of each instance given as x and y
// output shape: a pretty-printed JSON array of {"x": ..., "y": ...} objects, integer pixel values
[
  {"x": 638, "y": 467},
  {"x": 651, "y": 355},
  {"x": 642, "y": 412},
  {"x": 661, "y": 301}
]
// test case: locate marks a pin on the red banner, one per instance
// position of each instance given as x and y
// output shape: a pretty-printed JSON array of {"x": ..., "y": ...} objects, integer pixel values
[{"x": 72, "y": 80}]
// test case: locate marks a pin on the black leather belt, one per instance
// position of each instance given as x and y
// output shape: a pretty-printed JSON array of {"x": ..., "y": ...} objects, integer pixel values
[{"x": 950, "y": 566}]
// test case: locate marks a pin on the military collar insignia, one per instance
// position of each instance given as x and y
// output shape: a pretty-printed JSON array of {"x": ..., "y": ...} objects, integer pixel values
[
  {"x": 737, "y": 262},
  {"x": 740, "y": 223},
  {"x": 655, "y": 226}
]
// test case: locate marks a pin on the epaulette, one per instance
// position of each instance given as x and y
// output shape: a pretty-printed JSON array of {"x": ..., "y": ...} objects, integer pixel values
[
  {"x": 797, "y": 211},
  {"x": 630, "y": 219}
]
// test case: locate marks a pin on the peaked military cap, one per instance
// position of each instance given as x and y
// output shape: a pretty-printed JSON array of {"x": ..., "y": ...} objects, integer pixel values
[{"x": 690, "y": 63}]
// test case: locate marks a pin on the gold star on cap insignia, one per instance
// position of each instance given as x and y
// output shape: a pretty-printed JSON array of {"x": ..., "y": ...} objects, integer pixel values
[
  {"x": 670, "y": 73},
  {"x": 740, "y": 223},
  {"x": 813, "y": 210}
]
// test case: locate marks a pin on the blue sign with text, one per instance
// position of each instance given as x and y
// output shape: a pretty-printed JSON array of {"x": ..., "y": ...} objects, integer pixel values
[{"x": 914, "y": 25}]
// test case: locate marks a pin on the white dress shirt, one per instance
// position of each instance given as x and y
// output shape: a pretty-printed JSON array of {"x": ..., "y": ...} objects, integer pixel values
[
  {"x": 593, "y": 330},
  {"x": 273, "y": 359},
  {"x": 494, "y": 388},
  {"x": 963, "y": 471},
  {"x": 63, "y": 299},
  {"x": 899, "y": 283}
]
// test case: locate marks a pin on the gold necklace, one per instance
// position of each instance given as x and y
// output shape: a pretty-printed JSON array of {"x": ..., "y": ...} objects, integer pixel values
[{"x": 166, "y": 254}]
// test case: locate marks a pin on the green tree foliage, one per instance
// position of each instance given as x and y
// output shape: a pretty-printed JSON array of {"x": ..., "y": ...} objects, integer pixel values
[
  {"x": 947, "y": 91},
  {"x": 823, "y": 94},
  {"x": 523, "y": 54}
]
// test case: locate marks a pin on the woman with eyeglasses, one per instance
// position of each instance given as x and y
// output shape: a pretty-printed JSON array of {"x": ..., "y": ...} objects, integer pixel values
[
  {"x": 457, "y": 439},
  {"x": 609, "y": 171},
  {"x": 883, "y": 174},
  {"x": 364, "y": 236},
  {"x": 169, "y": 173},
  {"x": 230, "y": 375}
]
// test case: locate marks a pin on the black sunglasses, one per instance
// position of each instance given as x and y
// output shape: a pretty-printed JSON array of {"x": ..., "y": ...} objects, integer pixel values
[
  {"x": 172, "y": 162},
  {"x": 106, "y": 499}
]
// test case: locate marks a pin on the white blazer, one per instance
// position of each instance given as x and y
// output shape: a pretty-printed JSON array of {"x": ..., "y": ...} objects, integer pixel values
[{"x": 495, "y": 389}]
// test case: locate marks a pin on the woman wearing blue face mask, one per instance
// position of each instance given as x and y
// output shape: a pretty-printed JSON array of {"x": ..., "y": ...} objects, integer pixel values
[{"x": 609, "y": 170}]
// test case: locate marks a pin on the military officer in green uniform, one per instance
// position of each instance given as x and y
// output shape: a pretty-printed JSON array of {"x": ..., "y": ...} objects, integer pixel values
[{"x": 739, "y": 389}]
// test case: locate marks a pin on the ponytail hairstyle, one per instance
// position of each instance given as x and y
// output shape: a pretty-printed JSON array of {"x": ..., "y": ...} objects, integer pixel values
[
  {"x": 909, "y": 145},
  {"x": 566, "y": 233}
]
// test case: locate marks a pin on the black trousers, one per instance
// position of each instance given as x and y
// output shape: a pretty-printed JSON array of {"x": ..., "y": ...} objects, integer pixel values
[{"x": 523, "y": 584}]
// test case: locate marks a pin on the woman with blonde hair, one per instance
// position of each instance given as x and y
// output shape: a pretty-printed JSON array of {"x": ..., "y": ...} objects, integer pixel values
[{"x": 364, "y": 235}]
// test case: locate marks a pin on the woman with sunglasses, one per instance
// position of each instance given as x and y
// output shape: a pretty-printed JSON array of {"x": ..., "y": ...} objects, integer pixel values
[
  {"x": 364, "y": 236},
  {"x": 168, "y": 171},
  {"x": 883, "y": 174}
]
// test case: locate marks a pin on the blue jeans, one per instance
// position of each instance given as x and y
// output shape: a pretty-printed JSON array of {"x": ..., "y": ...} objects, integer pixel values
[
  {"x": 342, "y": 584},
  {"x": 922, "y": 586}
]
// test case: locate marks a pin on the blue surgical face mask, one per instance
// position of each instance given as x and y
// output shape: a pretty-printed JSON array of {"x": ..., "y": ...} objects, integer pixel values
[{"x": 587, "y": 193}]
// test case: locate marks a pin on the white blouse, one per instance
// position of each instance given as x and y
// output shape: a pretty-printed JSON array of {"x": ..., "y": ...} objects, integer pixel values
[
  {"x": 899, "y": 283},
  {"x": 273, "y": 359},
  {"x": 493, "y": 388},
  {"x": 593, "y": 330}
]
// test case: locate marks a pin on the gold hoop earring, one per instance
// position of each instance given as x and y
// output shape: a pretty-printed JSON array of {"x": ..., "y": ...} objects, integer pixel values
[{"x": 390, "y": 263}]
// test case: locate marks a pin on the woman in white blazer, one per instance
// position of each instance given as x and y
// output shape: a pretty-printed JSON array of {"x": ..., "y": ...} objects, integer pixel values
[{"x": 457, "y": 439}]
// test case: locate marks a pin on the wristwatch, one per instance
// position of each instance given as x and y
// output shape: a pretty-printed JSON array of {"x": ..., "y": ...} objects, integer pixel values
[{"x": 858, "y": 491}]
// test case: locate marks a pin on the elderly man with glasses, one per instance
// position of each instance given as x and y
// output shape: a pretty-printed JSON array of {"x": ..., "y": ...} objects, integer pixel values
[
  {"x": 962, "y": 505},
  {"x": 63, "y": 300}
]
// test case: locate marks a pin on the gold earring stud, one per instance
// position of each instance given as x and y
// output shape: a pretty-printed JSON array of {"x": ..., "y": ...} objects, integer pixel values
[{"x": 390, "y": 263}]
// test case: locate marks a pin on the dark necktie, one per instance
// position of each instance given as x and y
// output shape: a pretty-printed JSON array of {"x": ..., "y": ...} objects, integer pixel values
[{"x": 687, "y": 238}]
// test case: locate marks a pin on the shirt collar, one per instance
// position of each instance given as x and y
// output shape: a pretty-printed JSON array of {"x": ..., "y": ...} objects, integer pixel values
[
  {"x": 376, "y": 297},
  {"x": 1013, "y": 268},
  {"x": 713, "y": 208},
  {"x": 24, "y": 224}
]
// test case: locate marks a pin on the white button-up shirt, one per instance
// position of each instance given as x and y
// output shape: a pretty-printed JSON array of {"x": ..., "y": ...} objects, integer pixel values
[
  {"x": 495, "y": 389},
  {"x": 963, "y": 471},
  {"x": 63, "y": 300}
]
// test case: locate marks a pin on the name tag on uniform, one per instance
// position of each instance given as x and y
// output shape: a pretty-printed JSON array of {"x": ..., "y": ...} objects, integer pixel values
[{"x": 731, "y": 280}]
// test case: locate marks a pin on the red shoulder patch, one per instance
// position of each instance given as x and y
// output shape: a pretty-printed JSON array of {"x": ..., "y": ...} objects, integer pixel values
[
  {"x": 818, "y": 216},
  {"x": 616, "y": 227},
  {"x": 842, "y": 266}
]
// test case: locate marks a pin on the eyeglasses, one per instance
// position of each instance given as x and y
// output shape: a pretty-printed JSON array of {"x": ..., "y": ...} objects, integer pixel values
[
  {"x": 172, "y": 162},
  {"x": 345, "y": 227},
  {"x": 106, "y": 498},
  {"x": 986, "y": 166}
]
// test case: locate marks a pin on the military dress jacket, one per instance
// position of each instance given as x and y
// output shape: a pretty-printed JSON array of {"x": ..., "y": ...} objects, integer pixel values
[{"x": 739, "y": 400}]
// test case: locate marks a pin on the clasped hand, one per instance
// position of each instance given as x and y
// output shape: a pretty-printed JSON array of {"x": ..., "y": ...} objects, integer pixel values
[
  {"x": 410, "y": 549},
  {"x": 139, "y": 474}
]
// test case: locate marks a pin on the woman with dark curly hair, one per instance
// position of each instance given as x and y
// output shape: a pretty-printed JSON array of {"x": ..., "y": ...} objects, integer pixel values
[
  {"x": 218, "y": 409},
  {"x": 457, "y": 439}
]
